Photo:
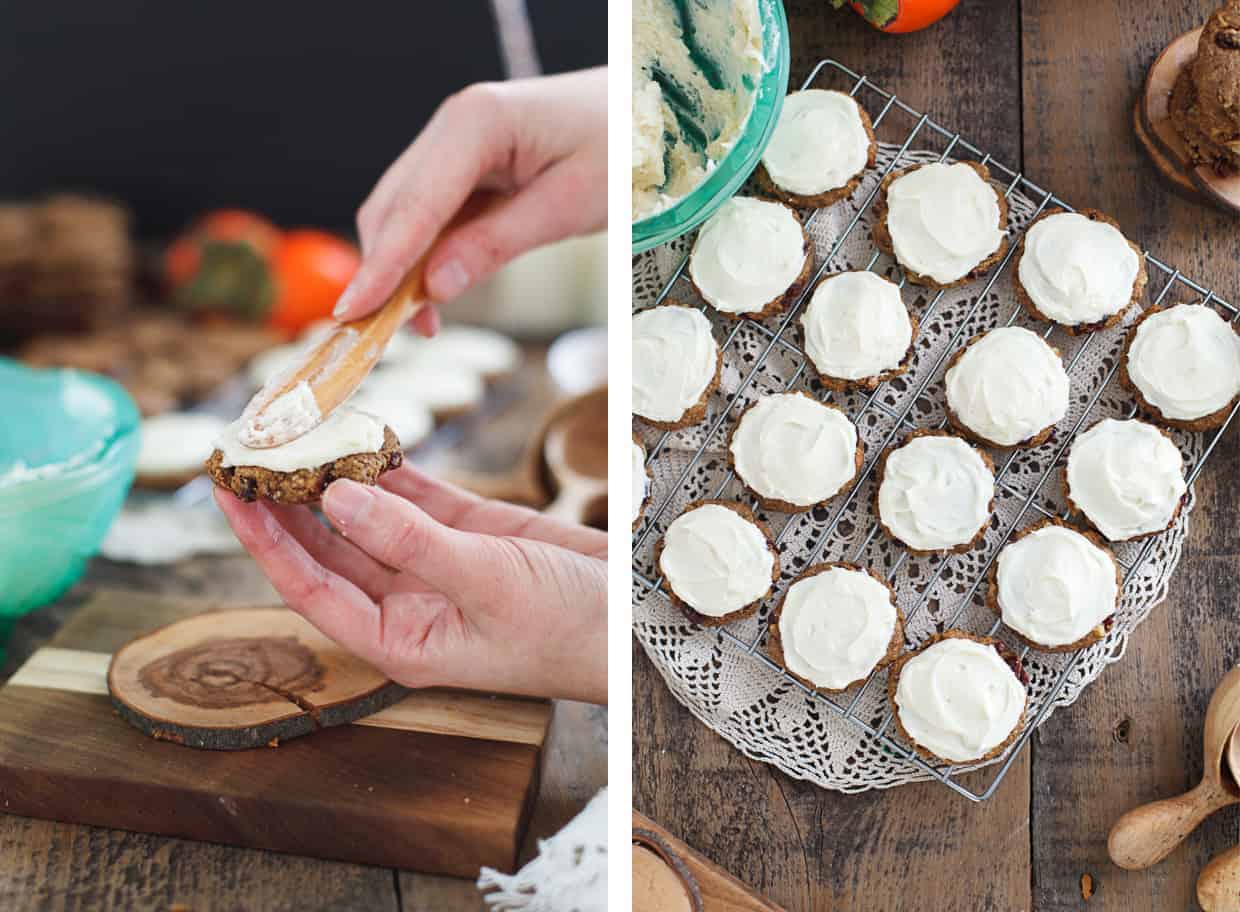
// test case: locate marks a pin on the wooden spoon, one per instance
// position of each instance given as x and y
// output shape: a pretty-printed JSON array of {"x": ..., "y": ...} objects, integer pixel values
[
  {"x": 575, "y": 451},
  {"x": 337, "y": 366},
  {"x": 1218, "y": 885},
  {"x": 1148, "y": 834}
]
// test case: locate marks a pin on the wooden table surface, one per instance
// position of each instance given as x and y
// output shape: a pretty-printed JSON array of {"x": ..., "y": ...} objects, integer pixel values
[
  {"x": 56, "y": 866},
  {"x": 1046, "y": 85}
]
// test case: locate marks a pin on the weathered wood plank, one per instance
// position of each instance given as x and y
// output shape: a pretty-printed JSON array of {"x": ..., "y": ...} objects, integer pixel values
[{"x": 1135, "y": 735}]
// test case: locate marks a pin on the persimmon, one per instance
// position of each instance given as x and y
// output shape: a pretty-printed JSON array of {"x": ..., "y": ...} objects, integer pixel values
[{"x": 902, "y": 16}]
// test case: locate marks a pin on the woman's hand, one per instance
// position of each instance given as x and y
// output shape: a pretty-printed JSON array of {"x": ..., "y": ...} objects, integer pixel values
[
  {"x": 539, "y": 143},
  {"x": 456, "y": 591}
]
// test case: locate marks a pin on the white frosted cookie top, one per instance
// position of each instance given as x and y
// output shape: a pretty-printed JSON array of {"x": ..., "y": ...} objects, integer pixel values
[
  {"x": 836, "y": 626},
  {"x": 747, "y": 254},
  {"x": 1127, "y": 478},
  {"x": 176, "y": 443},
  {"x": 344, "y": 432},
  {"x": 409, "y": 419},
  {"x": 1055, "y": 586},
  {"x": 856, "y": 326},
  {"x": 936, "y": 492},
  {"x": 959, "y": 699},
  {"x": 716, "y": 561},
  {"x": 943, "y": 220},
  {"x": 819, "y": 143},
  {"x": 638, "y": 478},
  {"x": 793, "y": 448},
  {"x": 1185, "y": 360},
  {"x": 482, "y": 351},
  {"x": 442, "y": 388},
  {"x": 1008, "y": 386},
  {"x": 1077, "y": 270},
  {"x": 675, "y": 357}
]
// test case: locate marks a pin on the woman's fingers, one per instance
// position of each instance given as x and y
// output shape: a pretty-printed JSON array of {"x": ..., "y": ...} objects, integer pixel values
[
  {"x": 336, "y": 553},
  {"x": 396, "y": 533},
  {"x": 328, "y": 601},
  {"x": 468, "y": 512}
]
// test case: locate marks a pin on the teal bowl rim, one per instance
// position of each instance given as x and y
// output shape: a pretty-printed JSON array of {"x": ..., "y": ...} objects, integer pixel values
[
  {"x": 741, "y": 161},
  {"x": 99, "y": 467}
]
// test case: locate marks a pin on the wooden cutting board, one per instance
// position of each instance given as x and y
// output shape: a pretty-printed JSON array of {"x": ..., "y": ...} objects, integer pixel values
[{"x": 441, "y": 782}]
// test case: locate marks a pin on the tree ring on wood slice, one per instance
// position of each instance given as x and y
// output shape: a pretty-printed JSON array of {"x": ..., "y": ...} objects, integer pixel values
[
  {"x": 231, "y": 680},
  {"x": 661, "y": 880}
]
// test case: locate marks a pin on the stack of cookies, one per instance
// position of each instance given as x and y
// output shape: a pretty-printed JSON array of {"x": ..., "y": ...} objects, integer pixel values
[
  {"x": 66, "y": 265},
  {"x": 1205, "y": 102}
]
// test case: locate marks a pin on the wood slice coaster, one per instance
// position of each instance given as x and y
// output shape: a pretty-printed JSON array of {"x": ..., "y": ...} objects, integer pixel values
[{"x": 231, "y": 680}]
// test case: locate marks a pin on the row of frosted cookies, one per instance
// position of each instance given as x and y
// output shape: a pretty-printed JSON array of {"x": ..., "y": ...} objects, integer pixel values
[{"x": 1054, "y": 585}]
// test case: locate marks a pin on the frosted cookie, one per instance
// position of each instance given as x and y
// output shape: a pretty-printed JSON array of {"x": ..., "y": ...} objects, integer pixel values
[
  {"x": 944, "y": 224},
  {"x": 794, "y": 452},
  {"x": 1055, "y": 587},
  {"x": 718, "y": 562},
  {"x": 174, "y": 447},
  {"x": 481, "y": 351},
  {"x": 676, "y": 364},
  {"x": 935, "y": 493},
  {"x": 1183, "y": 364},
  {"x": 822, "y": 144},
  {"x": 447, "y": 392},
  {"x": 348, "y": 444},
  {"x": 959, "y": 698},
  {"x": 856, "y": 330},
  {"x": 1007, "y": 387},
  {"x": 1126, "y": 478},
  {"x": 751, "y": 258},
  {"x": 1078, "y": 270},
  {"x": 639, "y": 477},
  {"x": 836, "y": 625},
  {"x": 403, "y": 412}
]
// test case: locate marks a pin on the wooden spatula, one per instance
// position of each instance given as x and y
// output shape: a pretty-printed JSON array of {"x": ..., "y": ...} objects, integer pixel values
[{"x": 333, "y": 370}]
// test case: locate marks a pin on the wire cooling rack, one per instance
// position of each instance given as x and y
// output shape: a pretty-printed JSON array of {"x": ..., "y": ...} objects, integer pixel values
[{"x": 925, "y": 132}]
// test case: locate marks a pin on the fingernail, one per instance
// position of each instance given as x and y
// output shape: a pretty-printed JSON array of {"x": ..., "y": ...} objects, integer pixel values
[
  {"x": 342, "y": 304},
  {"x": 345, "y": 501},
  {"x": 449, "y": 280}
]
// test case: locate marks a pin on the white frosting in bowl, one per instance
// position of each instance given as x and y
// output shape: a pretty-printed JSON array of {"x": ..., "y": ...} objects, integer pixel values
[
  {"x": 1185, "y": 360},
  {"x": 959, "y": 699},
  {"x": 675, "y": 357},
  {"x": 856, "y": 326},
  {"x": 716, "y": 561},
  {"x": 1055, "y": 585},
  {"x": 936, "y": 492},
  {"x": 1077, "y": 270},
  {"x": 1127, "y": 478},
  {"x": 819, "y": 144},
  {"x": 1008, "y": 386},
  {"x": 793, "y": 448},
  {"x": 944, "y": 220},
  {"x": 177, "y": 443},
  {"x": 835, "y": 626},
  {"x": 638, "y": 478},
  {"x": 747, "y": 254},
  {"x": 344, "y": 432}
]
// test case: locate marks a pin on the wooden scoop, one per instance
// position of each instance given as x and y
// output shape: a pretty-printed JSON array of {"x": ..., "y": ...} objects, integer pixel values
[
  {"x": 575, "y": 451},
  {"x": 338, "y": 365},
  {"x": 1148, "y": 834},
  {"x": 1218, "y": 886}
]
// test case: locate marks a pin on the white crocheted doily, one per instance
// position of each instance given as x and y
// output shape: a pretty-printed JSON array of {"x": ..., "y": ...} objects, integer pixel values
[{"x": 722, "y": 675}]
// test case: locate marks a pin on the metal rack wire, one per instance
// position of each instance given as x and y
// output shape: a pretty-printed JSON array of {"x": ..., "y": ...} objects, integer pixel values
[{"x": 830, "y": 74}]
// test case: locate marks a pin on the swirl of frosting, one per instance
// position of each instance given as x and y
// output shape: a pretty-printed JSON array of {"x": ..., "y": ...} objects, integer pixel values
[
  {"x": 1008, "y": 386},
  {"x": 675, "y": 357},
  {"x": 959, "y": 699},
  {"x": 638, "y": 478},
  {"x": 819, "y": 144},
  {"x": 790, "y": 447},
  {"x": 935, "y": 493},
  {"x": 856, "y": 326},
  {"x": 1077, "y": 270},
  {"x": 1185, "y": 360},
  {"x": 716, "y": 561},
  {"x": 835, "y": 626},
  {"x": 1055, "y": 585},
  {"x": 943, "y": 220},
  {"x": 747, "y": 254},
  {"x": 1127, "y": 478}
]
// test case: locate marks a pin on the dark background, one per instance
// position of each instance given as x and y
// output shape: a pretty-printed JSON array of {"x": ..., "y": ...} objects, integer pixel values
[{"x": 293, "y": 109}]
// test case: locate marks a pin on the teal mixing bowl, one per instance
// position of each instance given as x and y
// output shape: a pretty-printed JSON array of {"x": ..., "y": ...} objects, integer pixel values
[
  {"x": 743, "y": 157},
  {"x": 68, "y": 444}
]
